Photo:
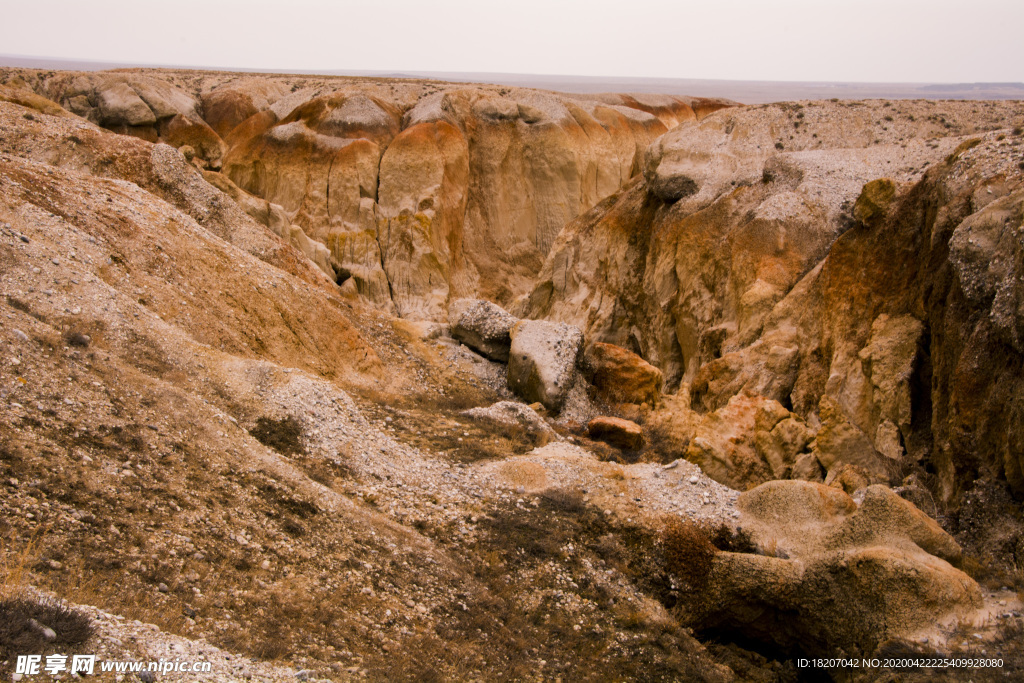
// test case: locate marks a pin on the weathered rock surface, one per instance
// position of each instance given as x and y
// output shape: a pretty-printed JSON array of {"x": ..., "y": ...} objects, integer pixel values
[
  {"x": 424, "y": 187},
  {"x": 422, "y": 192},
  {"x": 542, "y": 361},
  {"x": 275, "y": 218},
  {"x": 621, "y": 376},
  {"x": 186, "y": 326},
  {"x": 815, "y": 258},
  {"x": 747, "y": 442},
  {"x": 482, "y": 326},
  {"x": 624, "y": 434},
  {"x": 144, "y": 106},
  {"x": 836, "y": 576}
]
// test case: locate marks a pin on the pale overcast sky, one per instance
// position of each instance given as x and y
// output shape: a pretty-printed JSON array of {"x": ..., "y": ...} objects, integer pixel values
[{"x": 818, "y": 40}]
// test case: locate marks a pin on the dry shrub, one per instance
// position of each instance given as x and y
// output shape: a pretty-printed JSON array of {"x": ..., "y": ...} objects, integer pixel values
[
  {"x": 739, "y": 540},
  {"x": 75, "y": 338},
  {"x": 688, "y": 550},
  {"x": 284, "y": 435},
  {"x": 23, "y": 621}
]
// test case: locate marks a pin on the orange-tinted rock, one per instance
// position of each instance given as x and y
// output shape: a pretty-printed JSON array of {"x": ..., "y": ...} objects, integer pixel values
[
  {"x": 179, "y": 131},
  {"x": 621, "y": 376},
  {"x": 617, "y": 432}
]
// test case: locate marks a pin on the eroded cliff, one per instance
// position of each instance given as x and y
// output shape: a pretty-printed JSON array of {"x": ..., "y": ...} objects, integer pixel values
[
  {"x": 838, "y": 258},
  {"x": 421, "y": 192}
]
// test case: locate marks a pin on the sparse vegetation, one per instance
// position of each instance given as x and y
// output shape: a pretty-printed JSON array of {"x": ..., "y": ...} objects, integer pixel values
[
  {"x": 30, "y": 625},
  {"x": 284, "y": 435},
  {"x": 78, "y": 339},
  {"x": 688, "y": 550}
]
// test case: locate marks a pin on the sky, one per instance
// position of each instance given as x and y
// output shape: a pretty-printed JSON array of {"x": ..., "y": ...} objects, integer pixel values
[{"x": 933, "y": 41}]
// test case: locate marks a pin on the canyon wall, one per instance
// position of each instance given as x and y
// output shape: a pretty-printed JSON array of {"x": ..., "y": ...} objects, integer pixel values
[{"x": 858, "y": 263}]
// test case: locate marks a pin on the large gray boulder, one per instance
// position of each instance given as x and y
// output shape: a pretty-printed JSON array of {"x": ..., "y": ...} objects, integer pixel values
[
  {"x": 482, "y": 326},
  {"x": 542, "y": 361}
]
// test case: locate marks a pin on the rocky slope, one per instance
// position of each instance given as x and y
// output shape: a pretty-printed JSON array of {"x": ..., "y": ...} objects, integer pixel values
[{"x": 204, "y": 434}]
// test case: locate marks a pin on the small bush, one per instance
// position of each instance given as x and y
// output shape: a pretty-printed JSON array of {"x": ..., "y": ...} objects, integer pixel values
[
  {"x": 767, "y": 177},
  {"x": 23, "y": 624},
  {"x": 77, "y": 339},
  {"x": 779, "y": 145},
  {"x": 732, "y": 540},
  {"x": 688, "y": 550},
  {"x": 284, "y": 435}
]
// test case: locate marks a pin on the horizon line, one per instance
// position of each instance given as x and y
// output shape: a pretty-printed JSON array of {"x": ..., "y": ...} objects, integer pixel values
[{"x": 100, "y": 65}]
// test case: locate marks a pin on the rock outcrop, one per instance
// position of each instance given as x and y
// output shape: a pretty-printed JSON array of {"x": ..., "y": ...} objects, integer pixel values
[
  {"x": 835, "y": 576},
  {"x": 800, "y": 253},
  {"x": 425, "y": 194},
  {"x": 422, "y": 192},
  {"x": 144, "y": 106},
  {"x": 827, "y": 319}
]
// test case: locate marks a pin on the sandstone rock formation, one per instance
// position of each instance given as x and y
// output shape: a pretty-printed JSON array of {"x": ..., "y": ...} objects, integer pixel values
[
  {"x": 211, "y": 421},
  {"x": 422, "y": 192},
  {"x": 621, "y": 376},
  {"x": 275, "y": 218},
  {"x": 542, "y": 361},
  {"x": 799, "y": 252},
  {"x": 139, "y": 105},
  {"x": 835, "y": 574},
  {"x": 414, "y": 188},
  {"x": 624, "y": 434}
]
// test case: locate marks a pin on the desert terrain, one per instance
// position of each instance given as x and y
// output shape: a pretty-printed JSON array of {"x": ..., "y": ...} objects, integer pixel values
[{"x": 336, "y": 378}]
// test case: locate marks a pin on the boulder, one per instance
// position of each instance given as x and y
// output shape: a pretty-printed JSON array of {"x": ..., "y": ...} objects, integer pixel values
[
  {"x": 482, "y": 326},
  {"x": 833, "y": 576},
  {"x": 617, "y": 432},
  {"x": 509, "y": 414},
  {"x": 542, "y": 361},
  {"x": 621, "y": 376}
]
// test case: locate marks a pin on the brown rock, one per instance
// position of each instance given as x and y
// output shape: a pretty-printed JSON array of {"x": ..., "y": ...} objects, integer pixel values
[
  {"x": 621, "y": 376},
  {"x": 617, "y": 432}
]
